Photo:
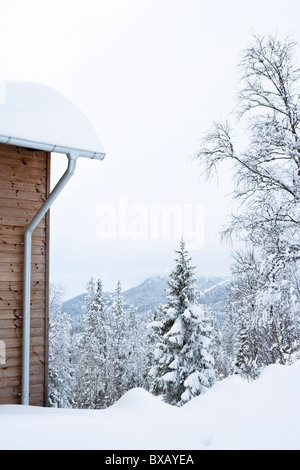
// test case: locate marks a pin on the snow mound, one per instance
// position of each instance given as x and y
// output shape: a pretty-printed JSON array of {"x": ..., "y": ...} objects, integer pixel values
[
  {"x": 233, "y": 414},
  {"x": 138, "y": 398}
]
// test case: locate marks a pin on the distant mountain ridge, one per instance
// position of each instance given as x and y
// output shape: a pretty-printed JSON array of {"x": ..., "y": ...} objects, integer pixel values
[{"x": 150, "y": 293}]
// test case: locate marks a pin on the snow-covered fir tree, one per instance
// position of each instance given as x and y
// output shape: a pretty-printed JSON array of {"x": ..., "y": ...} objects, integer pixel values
[
  {"x": 60, "y": 352},
  {"x": 118, "y": 344},
  {"x": 243, "y": 342},
  {"x": 154, "y": 326},
  {"x": 92, "y": 343},
  {"x": 183, "y": 364},
  {"x": 132, "y": 352},
  {"x": 197, "y": 365},
  {"x": 217, "y": 349},
  {"x": 137, "y": 345}
]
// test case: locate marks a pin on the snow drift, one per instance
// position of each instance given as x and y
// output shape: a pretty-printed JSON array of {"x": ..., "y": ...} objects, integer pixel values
[{"x": 233, "y": 414}]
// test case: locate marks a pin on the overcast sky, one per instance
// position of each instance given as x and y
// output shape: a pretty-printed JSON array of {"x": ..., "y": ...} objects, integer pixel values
[{"x": 151, "y": 75}]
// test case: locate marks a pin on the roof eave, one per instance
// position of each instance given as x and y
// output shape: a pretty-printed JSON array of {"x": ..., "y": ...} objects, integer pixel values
[{"x": 51, "y": 148}]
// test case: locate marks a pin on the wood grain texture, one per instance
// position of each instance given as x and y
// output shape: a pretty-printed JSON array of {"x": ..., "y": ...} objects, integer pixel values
[{"x": 24, "y": 186}]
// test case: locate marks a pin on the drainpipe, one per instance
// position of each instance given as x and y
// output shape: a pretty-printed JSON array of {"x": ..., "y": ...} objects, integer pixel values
[{"x": 72, "y": 158}]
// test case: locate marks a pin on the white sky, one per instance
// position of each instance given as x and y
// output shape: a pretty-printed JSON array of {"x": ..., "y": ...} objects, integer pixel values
[{"x": 151, "y": 75}]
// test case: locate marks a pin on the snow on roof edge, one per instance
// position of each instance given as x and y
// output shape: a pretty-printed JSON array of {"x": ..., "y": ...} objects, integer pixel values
[
  {"x": 50, "y": 148},
  {"x": 38, "y": 116}
]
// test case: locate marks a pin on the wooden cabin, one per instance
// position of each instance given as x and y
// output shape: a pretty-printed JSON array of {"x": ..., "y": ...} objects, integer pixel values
[
  {"x": 24, "y": 186},
  {"x": 35, "y": 120}
]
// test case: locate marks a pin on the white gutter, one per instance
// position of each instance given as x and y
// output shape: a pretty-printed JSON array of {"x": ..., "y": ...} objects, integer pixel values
[{"x": 50, "y": 148}]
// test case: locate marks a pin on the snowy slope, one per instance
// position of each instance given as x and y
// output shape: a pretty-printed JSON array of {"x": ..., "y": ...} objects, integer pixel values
[{"x": 234, "y": 414}]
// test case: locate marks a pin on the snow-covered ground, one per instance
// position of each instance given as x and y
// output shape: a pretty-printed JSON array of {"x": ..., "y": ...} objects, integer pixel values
[{"x": 233, "y": 414}]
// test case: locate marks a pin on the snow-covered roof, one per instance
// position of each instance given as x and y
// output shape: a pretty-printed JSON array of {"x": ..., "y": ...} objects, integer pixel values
[{"x": 36, "y": 116}]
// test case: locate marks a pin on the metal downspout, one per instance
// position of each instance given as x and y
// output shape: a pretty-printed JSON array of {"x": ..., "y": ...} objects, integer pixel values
[{"x": 72, "y": 158}]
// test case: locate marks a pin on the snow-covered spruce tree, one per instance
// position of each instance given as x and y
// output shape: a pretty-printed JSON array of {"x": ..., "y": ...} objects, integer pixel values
[
  {"x": 154, "y": 329},
  {"x": 137, "y": 345},
  {"x": 60, "y": 366},
  {"x": 217, "y": 350},
  {"x": 118, "y": 345},
  {"x": 197, "y": 369},
  {"x": 243, "y": 363},
  {"x": 132, "y": 350},
  {"x": 102, "y": 340},
  {"x": 92, "y": 344},
  {"x": 266, "y": 169},
  {"x": 148, "y": 343},
  {"x": 183, "y": 365},
  {"x": 244, "y": 341}
]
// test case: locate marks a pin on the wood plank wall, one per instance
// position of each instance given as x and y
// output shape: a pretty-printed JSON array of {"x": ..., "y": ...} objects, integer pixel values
[{"x": 24, "y": 185}]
